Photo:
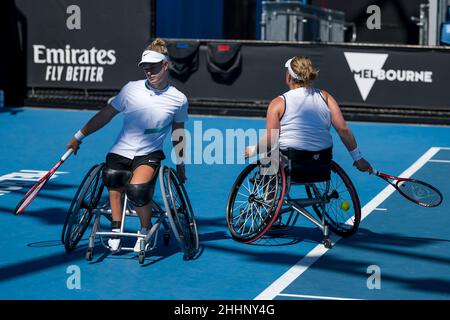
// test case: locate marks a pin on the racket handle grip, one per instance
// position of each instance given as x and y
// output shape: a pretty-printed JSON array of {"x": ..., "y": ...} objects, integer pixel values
[{"x": 66, "y": 155}]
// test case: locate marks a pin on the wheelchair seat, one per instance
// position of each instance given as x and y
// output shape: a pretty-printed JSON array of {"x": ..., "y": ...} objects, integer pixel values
[{"x": 309, "y": 166}]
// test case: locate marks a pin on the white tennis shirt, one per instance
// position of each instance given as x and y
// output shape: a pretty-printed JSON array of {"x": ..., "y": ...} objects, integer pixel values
[
  {"x": 148, "y": 117},
  {"x": 306, "y": 122}
]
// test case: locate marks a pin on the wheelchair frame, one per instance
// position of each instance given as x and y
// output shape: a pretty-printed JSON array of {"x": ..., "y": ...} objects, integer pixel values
[
  {"x": 297, "y": 206},
  {"x": 86, "y": 201},
  {"x": 150, "y": 239}
]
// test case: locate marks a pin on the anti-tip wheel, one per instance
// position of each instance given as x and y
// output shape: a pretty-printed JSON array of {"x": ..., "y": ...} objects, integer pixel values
[
  {"x": 141, "y": 257},
  {"x": 327, "y": 243},
  {"x": 166, "y": 239},
  {"x": 89, "y": 254}
]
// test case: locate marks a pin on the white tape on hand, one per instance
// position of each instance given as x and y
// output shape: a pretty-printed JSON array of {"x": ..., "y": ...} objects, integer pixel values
[{"x": 66, "y": 155}]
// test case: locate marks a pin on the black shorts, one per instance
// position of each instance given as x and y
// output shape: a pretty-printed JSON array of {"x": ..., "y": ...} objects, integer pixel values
[
  {"x": 310, "y": 166},
  {"x": 118, "y": 162}
]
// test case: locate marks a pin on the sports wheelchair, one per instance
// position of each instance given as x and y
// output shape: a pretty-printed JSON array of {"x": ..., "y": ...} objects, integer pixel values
[
  {"x": 178, "y": 213},
  {"x": 260, "y": 202}
]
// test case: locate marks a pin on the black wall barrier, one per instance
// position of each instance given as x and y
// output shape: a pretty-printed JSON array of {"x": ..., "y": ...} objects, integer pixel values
[
  {"x": 356, "y": 75},
  {"x": 99, "y": 51},
  {"x": 84, "y": 44},
  {"x": 224, "y": 61},
  {"x": 184, "y": 58},
  {"x": 12, "y": 57}
]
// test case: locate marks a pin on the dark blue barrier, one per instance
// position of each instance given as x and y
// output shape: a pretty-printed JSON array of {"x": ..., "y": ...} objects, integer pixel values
[{"x": 189, "y": 19}]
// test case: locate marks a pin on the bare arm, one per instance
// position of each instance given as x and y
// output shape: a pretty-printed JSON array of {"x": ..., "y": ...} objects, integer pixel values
[
  {"x": 344, "y": 132},
  {"x": 339, "y": 123},
  {"x": 274, "y": 113},
  {"x": 98, "y": 121}
]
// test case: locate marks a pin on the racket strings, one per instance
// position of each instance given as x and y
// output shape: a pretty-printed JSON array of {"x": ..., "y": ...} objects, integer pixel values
[
  {"x": 419, "y": 192},
  {"x": 30, "y": 196}
]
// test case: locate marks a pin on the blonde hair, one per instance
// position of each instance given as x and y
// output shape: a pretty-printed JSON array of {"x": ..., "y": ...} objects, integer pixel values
[
  {"x": 303, "y": 67},
  {"x": 158, "y": 45}
]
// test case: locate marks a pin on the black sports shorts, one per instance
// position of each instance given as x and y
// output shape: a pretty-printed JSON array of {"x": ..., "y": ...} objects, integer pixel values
[
  {"x": 118, "y": 162},
  {"x": 310, "y": 166}
]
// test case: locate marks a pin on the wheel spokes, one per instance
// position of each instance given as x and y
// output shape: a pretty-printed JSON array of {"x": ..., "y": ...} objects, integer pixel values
[{"x": 254, "y": 199}]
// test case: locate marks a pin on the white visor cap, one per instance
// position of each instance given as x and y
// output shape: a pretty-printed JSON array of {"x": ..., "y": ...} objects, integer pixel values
[
  {"x": 291, "y": 72},
  {"x": 149, "y": 56}
]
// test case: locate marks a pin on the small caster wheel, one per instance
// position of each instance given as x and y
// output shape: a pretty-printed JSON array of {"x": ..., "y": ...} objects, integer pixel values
[
  {"x": 166, "y": 238},
  {"x": 89, "y": 254},
  {"x": 189, "y": 255},
  {"x": 327, "y": 243},
  {"x": 141, "y": 257}
]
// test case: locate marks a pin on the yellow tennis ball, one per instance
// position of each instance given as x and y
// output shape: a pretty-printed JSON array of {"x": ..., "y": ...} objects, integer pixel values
[{"x": 345, "y": 205}]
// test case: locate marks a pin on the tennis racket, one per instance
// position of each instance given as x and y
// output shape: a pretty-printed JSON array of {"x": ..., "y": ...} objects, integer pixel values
[
  {"x": 33, "y": 192},
  {"x": 417, "y": 191}
]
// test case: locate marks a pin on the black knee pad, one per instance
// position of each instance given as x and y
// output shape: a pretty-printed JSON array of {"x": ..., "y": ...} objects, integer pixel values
[
  {"x": 115, "y": 178},
  {"x": 140, "y": 194}
]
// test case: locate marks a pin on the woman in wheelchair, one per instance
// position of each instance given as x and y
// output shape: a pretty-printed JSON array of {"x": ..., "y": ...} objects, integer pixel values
[
  {"x": 298, "y": 125},
  {"x": 152, "y": 108},
  {"x": 303, "y": 116}
]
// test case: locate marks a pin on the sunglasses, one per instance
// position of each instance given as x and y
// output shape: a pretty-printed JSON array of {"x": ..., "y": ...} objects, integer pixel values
[{"x": 152, "y": 68}]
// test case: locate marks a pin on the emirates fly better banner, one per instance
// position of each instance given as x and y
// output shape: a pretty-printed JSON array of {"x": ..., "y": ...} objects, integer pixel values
[{"x": 83, "y": 43}]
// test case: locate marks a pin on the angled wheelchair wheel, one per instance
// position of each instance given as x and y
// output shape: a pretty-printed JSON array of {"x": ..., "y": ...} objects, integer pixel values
[
  {"x": 342, "y": 211},
  {"x": 82, "y": 208},
  {"x": 255, "y": 201},
  {"x": 179, "y": 211}
]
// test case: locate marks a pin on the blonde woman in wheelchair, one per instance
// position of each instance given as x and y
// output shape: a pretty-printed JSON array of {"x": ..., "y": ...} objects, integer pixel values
[
  {"x": 303, "y": 116},
  {"x": 152, "y": 108},
  {"x": 298, "y": 125}
]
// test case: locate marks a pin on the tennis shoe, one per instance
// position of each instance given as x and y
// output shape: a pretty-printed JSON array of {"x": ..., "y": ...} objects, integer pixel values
[
  {"x": 137, "y": 246},
  {"x": 114, "y": 243}
]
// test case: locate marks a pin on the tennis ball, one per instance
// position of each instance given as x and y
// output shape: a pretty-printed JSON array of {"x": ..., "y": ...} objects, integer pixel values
[{"x": 345, "y": 205}]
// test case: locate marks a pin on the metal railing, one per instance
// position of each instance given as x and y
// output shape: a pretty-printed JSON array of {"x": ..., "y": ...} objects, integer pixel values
[
  {"x": 423, "y": 23},
  {"x": 293, "y": 21}
]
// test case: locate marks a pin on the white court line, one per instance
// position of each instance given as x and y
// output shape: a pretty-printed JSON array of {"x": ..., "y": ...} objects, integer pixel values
[
  {"x": 313, "y": 297},
  {"x": 440, "y": 161},
  {"x": 303, "y": 264}
]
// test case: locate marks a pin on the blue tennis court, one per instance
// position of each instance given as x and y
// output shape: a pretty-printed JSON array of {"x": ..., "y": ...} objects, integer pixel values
[{"x": 409, "y": 245}]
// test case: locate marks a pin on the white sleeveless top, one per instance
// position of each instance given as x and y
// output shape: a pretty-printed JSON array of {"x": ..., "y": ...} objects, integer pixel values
[{"x": 306, "y": 122}]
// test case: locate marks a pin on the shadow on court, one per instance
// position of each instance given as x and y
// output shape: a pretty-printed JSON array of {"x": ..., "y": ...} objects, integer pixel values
[
  {"x": 213, "y": 236},
  {"x": 46, "y": 193},
  {"x": 365, "y": 240},
  {"x": 22, "y": 268},
  {"x": 49, "y": 216},
  {"x": 293, "y": 235},
  {"x": 11, "y": 111},
  {"x": 160, "y": 253},
  {"x": 352, "y": 267},
  {"x": 370, "y": 237},
  {"x": 45, "y": 244},
  {"x": 358, "y": 269}
]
